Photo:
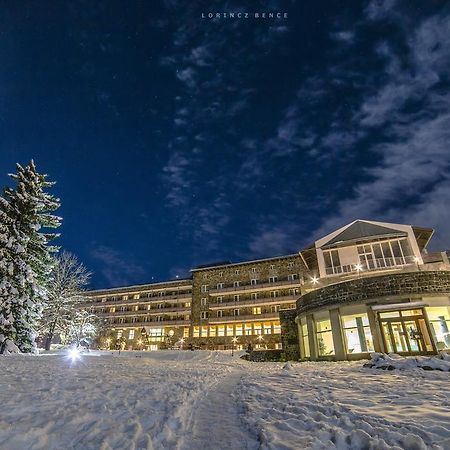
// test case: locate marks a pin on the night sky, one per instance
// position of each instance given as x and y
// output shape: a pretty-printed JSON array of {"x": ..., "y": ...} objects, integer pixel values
[{"x": 177, "y": 140}]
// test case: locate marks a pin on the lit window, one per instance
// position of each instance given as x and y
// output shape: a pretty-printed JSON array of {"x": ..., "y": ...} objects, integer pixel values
[
  {"x": 119, "y": 334},
  {"x": 136, "y": 296},
  {"x": 248, "y": 329},
  {"x": 113, "y": 309},
  {"x": 325, "y": 344},
  {"x": 230, "y": 330},
  {"x": 125, "y": 297},
  {"x": 212, "y": 332},
  {"x": 135, "y": 307},
  {"x": 149, "y": 307},
  {"x": 257, "y": 328},
  {"x": 131, "y": 335},
  {"x": 187, "y": 304},
  {"x": 267, "y": 328},
  {"x": 276, "y": 328},
  {"x": 357, "y": 333},
  {"x": 196, "y": 332},
  {"x": 305, "y": 338},
  {"x": 204, "y": 331},
  {"x": 239, "y": 330},
  {"x": 439, "y": 318},
  {"x": 186, "y": 332},
  {"x": 221, "y": 330},
  {"x": 257, "y": 310}
]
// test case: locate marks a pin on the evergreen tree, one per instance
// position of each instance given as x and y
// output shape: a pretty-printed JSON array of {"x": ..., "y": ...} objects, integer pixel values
[{"x": 25, "y": 256}]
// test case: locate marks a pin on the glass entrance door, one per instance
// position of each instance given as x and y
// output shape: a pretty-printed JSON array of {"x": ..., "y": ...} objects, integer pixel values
[{"x": 405, "y": 332}]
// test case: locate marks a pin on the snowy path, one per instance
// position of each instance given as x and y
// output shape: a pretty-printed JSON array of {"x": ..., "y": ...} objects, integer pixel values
[
  {"x": 207, "y": 400},
  {"x": 216, "y": 419}
]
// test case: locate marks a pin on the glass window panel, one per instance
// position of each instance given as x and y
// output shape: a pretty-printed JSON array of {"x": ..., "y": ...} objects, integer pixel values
[
  {"x": 212, "y": 332},
  {"x": 439, "y": 318},
  {"x": 335, "y": 258},
  {"x": 221, "y": 330},
  {"x": 412, "y": 312},
  {"x": 325, "y": 343},
  {"x": 396, "y": 249},
  {"x": 386, "y": 250},
  {"x": 239, "y": 330},
  {"x": 406, "y": 248},
  {"x": 389, "y": 314},
  {"x": 230, "y": 330},
  {"x": 204, "y": 331},
  {"x": 276, "y": 328},
  {"x": 357, "y": 333},
  {"x": 267, "y": 328},
  {"x": 248, "y": 329},
  {"x": 327, "y": 258}
]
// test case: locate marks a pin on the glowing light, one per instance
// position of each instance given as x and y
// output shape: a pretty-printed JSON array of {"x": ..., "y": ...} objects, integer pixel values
[
  {"x": 416, "y": 260},
  {"x": 234, "y": 340},
  {"x": 260, "y": 337},
  {"x": 108, "y": 341},
  {"x": 139, "y": 341},
  {"x": 314, "y": 280},
  {"x": 358, "y": 267},
  {"x": 73, "y": 354},
  {"x": 182, "y": 341}
]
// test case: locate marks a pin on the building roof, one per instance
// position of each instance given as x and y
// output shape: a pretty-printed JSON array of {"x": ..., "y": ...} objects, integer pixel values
[
  {"x": 140, "y": 287},
  {"x": 252, "y": 261},
  {"x": 360, "y": 231}
]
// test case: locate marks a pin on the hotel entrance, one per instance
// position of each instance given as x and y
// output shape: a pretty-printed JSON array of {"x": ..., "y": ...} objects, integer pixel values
[{"x": 406, "y": 332}]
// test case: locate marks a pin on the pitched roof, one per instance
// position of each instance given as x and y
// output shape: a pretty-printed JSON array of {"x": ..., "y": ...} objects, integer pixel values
[{"x": 360, "y": 230}]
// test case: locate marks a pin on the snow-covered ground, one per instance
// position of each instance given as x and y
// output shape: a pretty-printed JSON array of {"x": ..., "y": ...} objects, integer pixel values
[{"x": 208, "y": 400}]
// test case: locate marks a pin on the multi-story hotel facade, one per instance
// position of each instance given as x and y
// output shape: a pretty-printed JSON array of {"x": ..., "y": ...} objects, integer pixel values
[{"x": 369, "y": 286}]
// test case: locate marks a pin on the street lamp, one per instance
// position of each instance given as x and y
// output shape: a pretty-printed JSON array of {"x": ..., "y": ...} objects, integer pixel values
[
  {"x": 234, "y": 340},
  {"x": 108, "y": 343},
  {"x": 358, "y": 268},
  {"x": 314, "y": 280},
  {"x": 181, "y": 341}
]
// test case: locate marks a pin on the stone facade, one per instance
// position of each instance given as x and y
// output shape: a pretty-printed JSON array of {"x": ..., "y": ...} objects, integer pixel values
[
  {"x": 289, "y": 335},
  {"x": 399, "y": 285},
  {"x": 227, "y": 298}
]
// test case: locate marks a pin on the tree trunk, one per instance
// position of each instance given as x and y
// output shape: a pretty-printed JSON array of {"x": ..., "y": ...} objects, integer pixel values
[{"x": 50, "y": 334}]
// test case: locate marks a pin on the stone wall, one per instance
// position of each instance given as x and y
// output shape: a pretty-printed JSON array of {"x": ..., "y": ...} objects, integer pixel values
[
  {"x": 367, "y": 288},
  {"x": 289, "y": 335}
]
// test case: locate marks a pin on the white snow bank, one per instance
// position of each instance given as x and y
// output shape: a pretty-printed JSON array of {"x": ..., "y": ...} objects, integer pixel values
[
  {"x": 343, "y": 406},
  {"x": 394, "y": 361}
]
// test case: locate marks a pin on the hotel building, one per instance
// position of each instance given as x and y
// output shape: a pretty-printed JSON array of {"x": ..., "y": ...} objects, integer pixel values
[{"x": 369, "y": 286}]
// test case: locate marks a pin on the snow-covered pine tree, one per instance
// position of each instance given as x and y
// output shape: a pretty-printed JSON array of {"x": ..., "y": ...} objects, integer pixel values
[
  {"x": 65, "y": 292},
  {"x": 26, "y": 258}
]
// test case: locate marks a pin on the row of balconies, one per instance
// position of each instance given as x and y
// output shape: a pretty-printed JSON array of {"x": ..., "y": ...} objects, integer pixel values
[
  {"x": 148, "y": 312},
  {"x": 254, "y": 302},
  {"x": 151, "y": 323},
  {"x": 242, "y": 288},
  {"x": 244, "y": 318},
  {"x": 145, "y": 300}
]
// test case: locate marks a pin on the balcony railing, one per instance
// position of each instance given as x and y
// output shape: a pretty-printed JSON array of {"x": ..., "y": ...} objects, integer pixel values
[
  {"x": 141, "y": 300},
  {"x": 373, "y": 264},
  {"x": 255, "y": 302},
  {"x": 151, "y": 324},
  {"x": 245, "y": 318},
  {"x": 146, "y": 312},
  {"x": 255, "y": 287}
]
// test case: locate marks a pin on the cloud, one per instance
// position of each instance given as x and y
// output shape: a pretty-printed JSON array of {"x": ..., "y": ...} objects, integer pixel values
[
  {"x": 177, "y": 174},
  {"x": 411, "y": 178},
  {"x": 115, "y": 268}
]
